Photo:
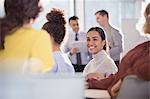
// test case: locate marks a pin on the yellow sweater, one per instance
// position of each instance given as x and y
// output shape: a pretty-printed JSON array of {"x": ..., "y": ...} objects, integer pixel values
[{"x": 27, "y": 50}]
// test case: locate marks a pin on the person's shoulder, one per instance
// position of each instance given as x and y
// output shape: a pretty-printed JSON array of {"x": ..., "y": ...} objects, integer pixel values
[
  {"x": 116, "y": 31},
  {"x": 58, "y": 57},
  {"x": 114, "y": 28},
  {"x": 70, "y": 33},
  {"x": 65, "y": 59},
  {"x": 38, "y": 32},
  {"x": 143, "y": 44},
  {"x": 83, "y": 34},
  {"x": 42, "y": 34},
  {"x": 140, "y": 46},
  {"x": 90, "y": 63},
  {"x": 137, "y": 49},
  {"x": 57, "y": 54},
  {"x": 32, "y": 34},
  {"x": 108, "y": 59},
  {"x": 136, "y": 52},
  {"x": 81, "y": 31}
]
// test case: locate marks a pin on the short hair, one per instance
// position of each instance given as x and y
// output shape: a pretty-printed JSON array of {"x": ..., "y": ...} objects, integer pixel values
[
  {"x": 55, "y": 25},
  {"x": 73, "y": 18},
  {"x": 102, "y": 12}
]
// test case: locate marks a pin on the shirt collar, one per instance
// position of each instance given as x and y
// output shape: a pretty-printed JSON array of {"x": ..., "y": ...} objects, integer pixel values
[{"x": 99, "y": 56}]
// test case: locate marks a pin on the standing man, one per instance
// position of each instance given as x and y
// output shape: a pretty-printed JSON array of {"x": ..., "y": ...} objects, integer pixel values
[
  {"x": 114, "y": 37},
  {"x": 78, "y": 58}
]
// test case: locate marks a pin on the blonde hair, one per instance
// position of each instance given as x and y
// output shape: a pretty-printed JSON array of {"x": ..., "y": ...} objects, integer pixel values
[{"x": 146, "y": 26}]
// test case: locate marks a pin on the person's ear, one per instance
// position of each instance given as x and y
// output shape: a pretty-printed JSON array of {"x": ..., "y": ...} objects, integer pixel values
[
  {"x": 103, "y": 43},
  {"x": 105, "y": 17}
]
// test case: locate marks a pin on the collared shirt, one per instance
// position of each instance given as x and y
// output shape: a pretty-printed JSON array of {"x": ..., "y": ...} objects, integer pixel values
[
  {"x": 62, "y": 63},
  {"x": 115, "y": 42},
  {"x": 69, "y": 43},
  {"x": 101, "y": 63}
]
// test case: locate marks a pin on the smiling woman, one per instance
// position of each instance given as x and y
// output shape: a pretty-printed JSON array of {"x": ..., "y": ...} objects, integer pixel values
[
  {"x": 101, "y": 66},
  {"x": 96, "y": 40}
]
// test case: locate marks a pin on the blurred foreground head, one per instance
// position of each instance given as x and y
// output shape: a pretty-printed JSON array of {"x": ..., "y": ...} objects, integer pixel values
[
  {"x": 17, "y": 13},
  {"x": 147, "y": 19}
]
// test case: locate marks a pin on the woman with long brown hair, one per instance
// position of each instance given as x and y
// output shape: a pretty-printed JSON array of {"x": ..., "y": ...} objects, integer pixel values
[{"x": 23, "y": 48}]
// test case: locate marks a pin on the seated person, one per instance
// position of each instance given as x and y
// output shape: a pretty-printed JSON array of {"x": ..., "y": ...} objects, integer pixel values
[
  {"x": 101, "y": 63},
  {"x": 56, "y": 28},
  {"x": 135, "y": 62}
]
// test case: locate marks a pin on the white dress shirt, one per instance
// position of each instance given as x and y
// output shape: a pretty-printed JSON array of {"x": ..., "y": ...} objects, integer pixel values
[
  {"x": 101, "y": 63},
  {"x": 69, "y": 43}
]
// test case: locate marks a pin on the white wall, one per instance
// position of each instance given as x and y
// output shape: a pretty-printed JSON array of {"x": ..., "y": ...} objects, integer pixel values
[
  {"x": 132, "y": 37},
  {"x": 1, "y": 8}
]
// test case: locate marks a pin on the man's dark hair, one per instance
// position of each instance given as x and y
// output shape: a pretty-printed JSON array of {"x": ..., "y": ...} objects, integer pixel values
[
  {"x": 102, "y": 12},
  {"x": 73, "y": 18}
]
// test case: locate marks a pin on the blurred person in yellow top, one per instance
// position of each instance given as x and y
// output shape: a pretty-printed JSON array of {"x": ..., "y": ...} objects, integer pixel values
[{"x": 22, "y": 48}]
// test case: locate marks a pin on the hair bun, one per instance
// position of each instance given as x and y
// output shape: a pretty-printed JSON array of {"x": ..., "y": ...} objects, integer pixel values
[{"x": 56, "y": 16}]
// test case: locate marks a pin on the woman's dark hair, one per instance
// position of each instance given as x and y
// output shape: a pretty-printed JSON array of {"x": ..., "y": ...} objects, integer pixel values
[
  {"x": 101, "y": 34},
  {"x": 17, "y": 13},
  {"x": 55, "y": 25}
]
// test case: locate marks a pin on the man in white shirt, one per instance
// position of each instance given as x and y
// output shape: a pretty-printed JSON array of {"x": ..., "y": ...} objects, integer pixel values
[
  {"x": 75, "y": 37},
  {"x": 114, "y": 37}
]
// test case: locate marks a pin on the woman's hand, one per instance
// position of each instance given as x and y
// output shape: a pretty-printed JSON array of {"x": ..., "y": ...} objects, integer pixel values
[
  {"x": 115, "y": 89},
  {"x": 94, "y": 75},
  {"x": 86, "y": 85}
]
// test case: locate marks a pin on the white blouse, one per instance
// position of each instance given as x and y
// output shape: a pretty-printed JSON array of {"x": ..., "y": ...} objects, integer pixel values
[{"x": 101, "y": 63}]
